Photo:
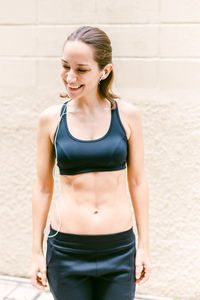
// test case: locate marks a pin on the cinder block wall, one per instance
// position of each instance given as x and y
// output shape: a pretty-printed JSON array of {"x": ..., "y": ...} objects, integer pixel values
[{"x": 156, "y": 50}]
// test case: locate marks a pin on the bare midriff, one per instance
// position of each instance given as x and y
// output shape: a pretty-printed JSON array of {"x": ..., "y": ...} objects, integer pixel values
[{"x": 93, "y": 203}]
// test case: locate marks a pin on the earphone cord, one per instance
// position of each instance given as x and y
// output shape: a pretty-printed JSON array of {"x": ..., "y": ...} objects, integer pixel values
[{"x": 50, "y": 236}]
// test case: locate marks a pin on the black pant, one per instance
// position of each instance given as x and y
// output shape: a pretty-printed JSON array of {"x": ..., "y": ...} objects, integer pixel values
[{"x": 91, "y": 267}]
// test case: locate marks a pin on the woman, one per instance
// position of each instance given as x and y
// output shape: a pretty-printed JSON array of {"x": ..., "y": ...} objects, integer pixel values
[{"x": 91, "y": 251}]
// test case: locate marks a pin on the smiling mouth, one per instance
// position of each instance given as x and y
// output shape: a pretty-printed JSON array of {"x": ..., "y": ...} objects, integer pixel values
[{"x": 75, "y": 89}]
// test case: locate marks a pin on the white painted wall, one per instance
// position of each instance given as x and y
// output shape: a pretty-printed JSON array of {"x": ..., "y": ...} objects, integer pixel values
[{"x": 156, "y": 58}]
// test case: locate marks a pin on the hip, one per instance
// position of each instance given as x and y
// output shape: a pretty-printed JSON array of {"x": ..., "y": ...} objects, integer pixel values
[{"x": 90, "y": 243}]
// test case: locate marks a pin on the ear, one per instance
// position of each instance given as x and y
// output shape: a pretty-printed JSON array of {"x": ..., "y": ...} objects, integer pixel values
[{"x": 108, "y": 68}]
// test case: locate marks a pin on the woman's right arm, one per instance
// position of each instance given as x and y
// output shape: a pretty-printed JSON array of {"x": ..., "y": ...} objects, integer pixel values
[{"x": 41, "y": 198}]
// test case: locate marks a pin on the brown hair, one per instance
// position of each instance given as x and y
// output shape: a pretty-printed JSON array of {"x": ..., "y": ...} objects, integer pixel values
[{"x": 101, "y": 44}]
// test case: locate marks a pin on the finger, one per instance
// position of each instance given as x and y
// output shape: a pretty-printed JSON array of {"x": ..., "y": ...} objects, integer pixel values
[
  {"x": 146, "y": 275},
  {"x": 138, "y": 270},
  {"x": 149, "y": 267},
  {"x": 41, "y": 278},
  {"x": 35, "y": 277},
  {"x": 143, "y": 280},
  {"x": 36, "y": 283},
  {"x": 137, "y": 280},
  {"x": 44, "y": 278}
]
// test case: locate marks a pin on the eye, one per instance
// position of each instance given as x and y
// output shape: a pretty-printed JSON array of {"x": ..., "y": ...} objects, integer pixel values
[{"x": 65, "y": 67}]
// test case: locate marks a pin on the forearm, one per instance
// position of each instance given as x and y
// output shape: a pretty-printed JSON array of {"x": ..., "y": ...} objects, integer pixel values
[
  {"x": 41, "y": 201},
  {"x": 140, "y": 202}
]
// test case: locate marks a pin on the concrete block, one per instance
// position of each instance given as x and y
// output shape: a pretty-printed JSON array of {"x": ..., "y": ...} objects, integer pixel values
[
  {"x": 16, "y": 72},
  {"x": 180, "y": 41},
  {"x": 76, "y": 12},
  {"x": 6, "y": 288},
  {"x": 18, "y": 12},
  {"x": 179, "y": 11},
  {"x": 51, "y": 39},
  {"x": 129, "y": 11},
  {"x": 45, "y": 296},
  {"x": 130, "y": 73},
  {"x": 66, "y": 12},
  {"x": 134, "y": 41},
  {"x": 49, "y": 71},
  {"x": 23, "y": 292},
  {"x": 18, "y": 40},
  {"x": 184, "y": 75}
]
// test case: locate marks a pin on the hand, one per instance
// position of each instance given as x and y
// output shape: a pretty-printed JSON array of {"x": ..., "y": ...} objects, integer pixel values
[
  {"x": 37, "y": 272},
  {"x": 143, "y": 266}
]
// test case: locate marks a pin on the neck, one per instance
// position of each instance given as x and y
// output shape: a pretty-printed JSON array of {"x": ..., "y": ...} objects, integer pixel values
[{"x": 87, "y": 105}]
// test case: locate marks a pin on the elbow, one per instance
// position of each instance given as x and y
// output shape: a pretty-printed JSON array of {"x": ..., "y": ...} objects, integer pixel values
[
  {"x": 139, "y": 180},
  {"x": 45, "y": 186}
]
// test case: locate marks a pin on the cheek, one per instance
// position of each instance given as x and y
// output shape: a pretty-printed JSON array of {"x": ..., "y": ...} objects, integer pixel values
[
  {"x": 63, "y": 74},
  {"x": 91, "y": 79}
]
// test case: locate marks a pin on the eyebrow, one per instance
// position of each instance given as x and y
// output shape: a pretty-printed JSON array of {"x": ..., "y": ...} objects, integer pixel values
[{"x": 77, "y": 64}]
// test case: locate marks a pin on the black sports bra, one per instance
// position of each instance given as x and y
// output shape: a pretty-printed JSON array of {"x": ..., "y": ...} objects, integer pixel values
[{"x": 107, "y": 153}]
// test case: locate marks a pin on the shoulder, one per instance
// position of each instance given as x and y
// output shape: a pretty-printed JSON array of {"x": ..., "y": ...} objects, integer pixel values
[
  {"x": 48, "y": 120},
  {"x": 131, "y": 114},
  {"x": 128, "y": 109},
  {"x": 49, "y": 114}
]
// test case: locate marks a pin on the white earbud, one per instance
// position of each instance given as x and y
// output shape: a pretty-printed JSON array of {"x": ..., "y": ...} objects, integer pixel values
[{"x": 102, "y": 76}]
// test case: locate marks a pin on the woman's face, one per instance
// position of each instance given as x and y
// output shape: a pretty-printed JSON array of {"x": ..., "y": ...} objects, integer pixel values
[{"x": 80, "y": 70}]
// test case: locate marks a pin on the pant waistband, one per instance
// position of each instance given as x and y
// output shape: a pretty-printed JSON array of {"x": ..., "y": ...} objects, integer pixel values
[{"x": 84, "y": 241}]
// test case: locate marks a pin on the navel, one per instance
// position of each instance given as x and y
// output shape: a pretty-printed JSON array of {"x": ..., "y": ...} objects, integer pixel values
[{"x": 96, "y": 211}]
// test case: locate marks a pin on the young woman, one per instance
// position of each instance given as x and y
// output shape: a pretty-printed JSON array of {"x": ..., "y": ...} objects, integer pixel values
[{"x": 97, "y": 142}]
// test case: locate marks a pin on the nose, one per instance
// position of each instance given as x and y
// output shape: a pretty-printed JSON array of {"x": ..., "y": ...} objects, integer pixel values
[{"x": 70, "y": 77}]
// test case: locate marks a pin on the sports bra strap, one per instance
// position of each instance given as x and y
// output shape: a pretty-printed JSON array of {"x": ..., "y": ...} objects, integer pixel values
[{"x": 62, "y": 109}]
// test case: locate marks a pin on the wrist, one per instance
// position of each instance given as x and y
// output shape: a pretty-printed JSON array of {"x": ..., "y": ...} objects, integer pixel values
[
  {"x": 37, "y": 251},
  {"x": 143, "y": 245}
]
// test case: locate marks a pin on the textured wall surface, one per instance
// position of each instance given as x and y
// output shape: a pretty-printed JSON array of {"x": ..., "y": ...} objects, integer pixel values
[{"x": 156, "y": 51}]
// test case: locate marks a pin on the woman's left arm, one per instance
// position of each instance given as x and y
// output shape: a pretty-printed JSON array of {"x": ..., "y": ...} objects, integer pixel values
[{"x": 138, "y": 188}]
